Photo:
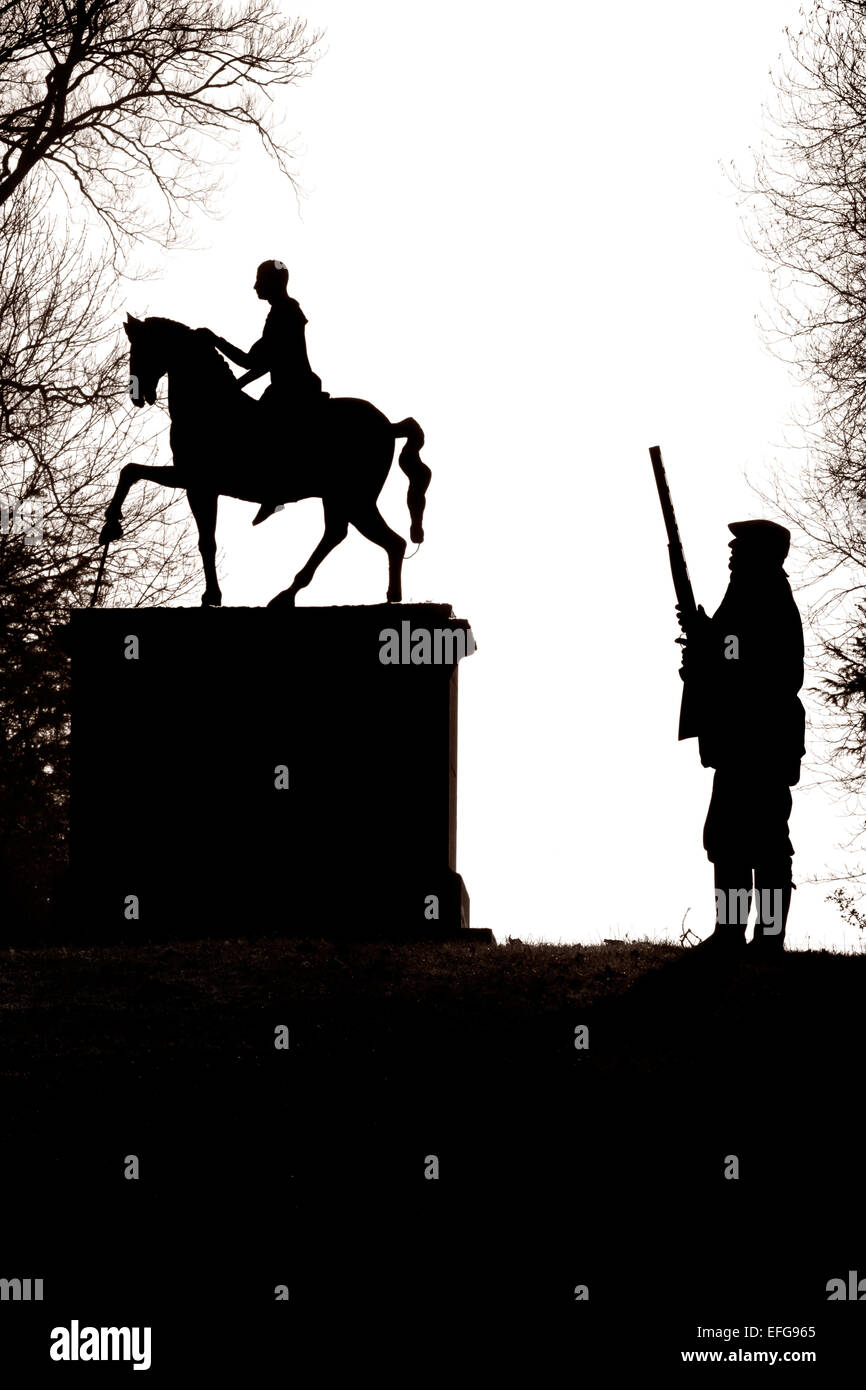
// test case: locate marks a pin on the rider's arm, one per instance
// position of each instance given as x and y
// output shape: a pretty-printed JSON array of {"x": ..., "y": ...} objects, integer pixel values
[
  {"x": 252, "y": 376},
  {"x": 234, "y": 354},
  {"x": 257, "y": 361}
]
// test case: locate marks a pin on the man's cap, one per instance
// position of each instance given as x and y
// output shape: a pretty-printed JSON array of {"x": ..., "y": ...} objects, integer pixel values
[{"x": 771, "y": 537}]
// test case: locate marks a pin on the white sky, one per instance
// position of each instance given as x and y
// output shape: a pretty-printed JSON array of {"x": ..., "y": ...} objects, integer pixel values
[{"x": 515, "y": 227}]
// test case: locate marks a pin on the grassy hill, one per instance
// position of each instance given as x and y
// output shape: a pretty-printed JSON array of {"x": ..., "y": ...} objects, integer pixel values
[
  {"x": 557, "y": 1165},
  {"x": 209, "y": 1005}
]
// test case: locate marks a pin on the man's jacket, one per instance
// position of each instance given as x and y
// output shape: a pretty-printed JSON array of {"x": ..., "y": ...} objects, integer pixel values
[{"x": 744, "y": 667}]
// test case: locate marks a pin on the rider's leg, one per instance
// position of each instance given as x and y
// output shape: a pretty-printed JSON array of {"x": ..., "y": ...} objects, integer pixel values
[
  {"x": 297, "y": 418},
  {"x": 275, "y": 412},
  {"x": 265, "y": 510}
]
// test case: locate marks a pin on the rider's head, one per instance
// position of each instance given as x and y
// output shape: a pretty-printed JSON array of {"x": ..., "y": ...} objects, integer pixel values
[{"x": 272, "y": 277}]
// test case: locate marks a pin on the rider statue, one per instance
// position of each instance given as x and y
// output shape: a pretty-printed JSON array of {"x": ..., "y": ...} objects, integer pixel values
[{"x": 294, "y": 391}]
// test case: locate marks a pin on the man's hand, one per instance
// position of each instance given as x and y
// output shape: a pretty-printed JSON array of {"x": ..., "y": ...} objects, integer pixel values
[
  {"x": 697, "y": 626},
  {"x": 693, "y": 642},
  {"x": 208, "y": 336}
]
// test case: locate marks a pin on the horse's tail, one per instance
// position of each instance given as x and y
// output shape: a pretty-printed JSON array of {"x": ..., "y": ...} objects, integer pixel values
[{"x": 416, "y": 471}]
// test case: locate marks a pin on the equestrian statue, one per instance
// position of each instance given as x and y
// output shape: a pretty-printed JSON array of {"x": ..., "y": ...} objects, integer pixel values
[{"x": 294, "y": 442}]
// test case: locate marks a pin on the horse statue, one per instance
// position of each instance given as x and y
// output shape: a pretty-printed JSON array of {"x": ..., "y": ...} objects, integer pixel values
[{"x": 222, "y": 446}]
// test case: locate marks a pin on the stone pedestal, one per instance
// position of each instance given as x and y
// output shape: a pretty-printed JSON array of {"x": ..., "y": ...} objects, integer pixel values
[{"x": 237, "y": 771}]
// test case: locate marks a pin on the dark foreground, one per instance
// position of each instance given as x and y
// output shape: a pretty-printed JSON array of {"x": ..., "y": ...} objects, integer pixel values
[{"x": 558, "y": 1167}]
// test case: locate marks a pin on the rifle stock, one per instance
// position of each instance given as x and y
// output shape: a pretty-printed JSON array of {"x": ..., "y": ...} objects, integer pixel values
[{"x": 688, "y": 727}]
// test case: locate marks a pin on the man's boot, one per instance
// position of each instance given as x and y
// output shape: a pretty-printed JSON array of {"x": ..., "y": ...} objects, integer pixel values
[
  {"x": 773, "y": 904},
  {"x": 732, "y": 912},
  {"x": 727, "y": 943}
]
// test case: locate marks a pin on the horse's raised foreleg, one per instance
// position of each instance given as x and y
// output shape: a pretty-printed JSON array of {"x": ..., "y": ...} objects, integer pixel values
[
  {"x": 130, "y": 474},
  {"x": 371, "y": 523},
  {"x": 203, "y": 506},
  {"x": 336, "y": 530}
]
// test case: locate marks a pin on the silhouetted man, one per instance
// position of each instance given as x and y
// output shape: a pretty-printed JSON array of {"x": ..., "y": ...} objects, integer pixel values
[
  {"x": 743, "y": 668},
  {"x": 294, "y": 392}
]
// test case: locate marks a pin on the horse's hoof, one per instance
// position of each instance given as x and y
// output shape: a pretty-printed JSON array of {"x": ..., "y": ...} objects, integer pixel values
[
  {"x": 394, "y": 596},
  {"x": 209, "y": 600},
  {"x": 111, "y": 531},
  {"x": 285, "y": 599}
]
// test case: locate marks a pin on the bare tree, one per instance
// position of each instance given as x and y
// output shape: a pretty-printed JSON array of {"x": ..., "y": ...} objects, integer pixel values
[
  {"x": 807, "y": 198},
  {"x": 116, "y": 99}
]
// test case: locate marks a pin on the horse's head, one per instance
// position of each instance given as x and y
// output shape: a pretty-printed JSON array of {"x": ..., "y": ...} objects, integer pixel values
[
  {"x": 157, "y": 346},
  {"x": 146, "y": 362}
]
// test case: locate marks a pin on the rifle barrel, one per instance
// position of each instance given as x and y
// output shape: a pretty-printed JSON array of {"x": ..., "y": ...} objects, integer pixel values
[{"x": 679, "y": 568}]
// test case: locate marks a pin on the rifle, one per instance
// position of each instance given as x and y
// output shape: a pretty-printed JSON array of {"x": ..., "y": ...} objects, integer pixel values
[{"x": 688, "y": 727}]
